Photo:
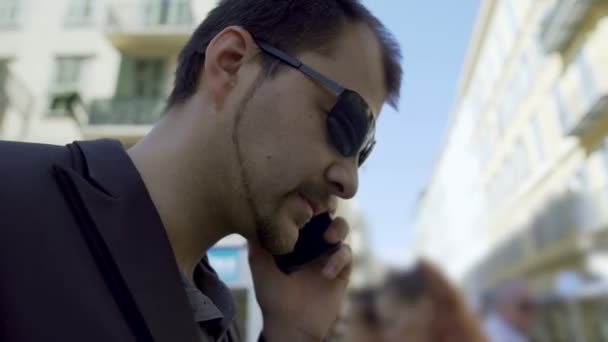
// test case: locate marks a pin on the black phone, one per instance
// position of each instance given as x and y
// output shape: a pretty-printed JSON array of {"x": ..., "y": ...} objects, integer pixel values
[{"x": 310, "y": 245}]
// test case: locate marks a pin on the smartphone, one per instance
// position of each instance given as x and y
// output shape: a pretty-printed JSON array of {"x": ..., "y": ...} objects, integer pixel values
[{"x": 310, "y": 245}]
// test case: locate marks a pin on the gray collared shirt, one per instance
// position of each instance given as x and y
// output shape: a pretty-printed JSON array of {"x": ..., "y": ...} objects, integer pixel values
[{"x": 212, "y": 304}]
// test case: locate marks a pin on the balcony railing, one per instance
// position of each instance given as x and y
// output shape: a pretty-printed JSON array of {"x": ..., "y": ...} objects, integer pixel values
[
  {"x": 583, "y": 94},
  {"x": 130, "y": 111},
  {"x": 570, "y": 215},
  {"x": 562, "y": 22}
]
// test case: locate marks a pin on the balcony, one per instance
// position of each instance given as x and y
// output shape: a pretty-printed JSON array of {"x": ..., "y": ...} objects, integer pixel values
[
  {"x": 124, "y": 119},
  {"x": 149, "y": 28},
  {"x": 582, "y": 94},
  {"x": 556, "y": 232},
  {"x": 562, "y": 22},
  {"x": 570, "y": 217},
  {"x": 499, "y": 263}
]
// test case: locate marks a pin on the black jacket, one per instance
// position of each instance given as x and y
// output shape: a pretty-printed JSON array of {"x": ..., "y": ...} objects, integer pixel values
[{"x": 83, "y": 254}]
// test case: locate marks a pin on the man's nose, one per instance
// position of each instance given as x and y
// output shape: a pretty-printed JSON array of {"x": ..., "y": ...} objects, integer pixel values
[{"x": 343, "y": 178}]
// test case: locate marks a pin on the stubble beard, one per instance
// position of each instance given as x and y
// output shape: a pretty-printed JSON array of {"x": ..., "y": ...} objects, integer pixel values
[{"x": 267, "y": 233}]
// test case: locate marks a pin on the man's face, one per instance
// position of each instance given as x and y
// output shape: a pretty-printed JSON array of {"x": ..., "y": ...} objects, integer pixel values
[{"x": 289, "y": 167}]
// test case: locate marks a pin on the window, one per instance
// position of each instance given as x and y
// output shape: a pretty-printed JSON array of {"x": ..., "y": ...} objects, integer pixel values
[
  {"x": 80, "y": 12},
  {"x": 3, "y": 94},
  {"x": 506, "y": 177},
  {"x": 503, "y": 112},
  {"x": 604, "y": 150},
  {"x": 564, "y": 118},
  {"x": 522, "y": 162},
  {"x": 9, "y": 12},
  {"x": 586, "y": 77},
  {"x": 167, "y": 12},
  {"x": 523, "y": 77},
  {"x": 4, "y": 62},
  {"x": 182, "y": 12},
  {"x": 65, "y": 82},
  {"x": 512, "y": 19},
  {"x": 490, "y": 59},
  {"x": 538, "y": 138},
  {"x": 149, "y": 77},
  {"x": 534, "y": 54},
  {"x": 504, "y": 28},
  {"x": 484, "y": 146},
  {"x": 581, "y": 178},
  {"x": 142, "y": 78},
  {"x": 499, "y": 46},
  {"x": 68, "y": 74}
]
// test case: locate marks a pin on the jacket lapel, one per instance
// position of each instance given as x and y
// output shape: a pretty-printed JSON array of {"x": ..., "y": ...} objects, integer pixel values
[{"x": 121, "y": 211}]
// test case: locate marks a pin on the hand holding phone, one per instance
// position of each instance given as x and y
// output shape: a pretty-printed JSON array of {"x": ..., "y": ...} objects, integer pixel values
[{"x": 311, "y": 245}]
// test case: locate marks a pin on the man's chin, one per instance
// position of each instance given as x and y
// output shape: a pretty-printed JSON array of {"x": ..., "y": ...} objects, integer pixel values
[{"x": 278, "y": 242}]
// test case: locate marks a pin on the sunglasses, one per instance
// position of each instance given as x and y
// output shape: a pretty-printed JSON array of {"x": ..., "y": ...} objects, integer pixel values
[{"x": 350, "y": 121}]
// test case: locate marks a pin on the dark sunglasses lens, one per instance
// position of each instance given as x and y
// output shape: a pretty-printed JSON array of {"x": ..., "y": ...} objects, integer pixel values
[
  {"x": 350, "y": 123},
  {"x": 366, "y": 151}
]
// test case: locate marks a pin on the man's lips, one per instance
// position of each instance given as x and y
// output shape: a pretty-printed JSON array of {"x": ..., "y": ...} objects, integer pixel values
[{"x": 314, "y": 207}]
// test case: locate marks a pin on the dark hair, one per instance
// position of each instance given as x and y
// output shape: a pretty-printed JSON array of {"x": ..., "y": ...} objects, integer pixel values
[
  {"x": 452, "y": 320},
  {"x": 290, "y": 25},
  {"x": 407, "y": 287},
  {"x": 363, "y": 301}
]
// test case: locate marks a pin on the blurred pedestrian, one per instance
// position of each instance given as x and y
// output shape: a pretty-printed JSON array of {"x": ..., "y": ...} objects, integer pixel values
[
  {"x": 361, "y": 321},
  {"x": 511, "y": 312},
  {"x": 422, "y": 306}
]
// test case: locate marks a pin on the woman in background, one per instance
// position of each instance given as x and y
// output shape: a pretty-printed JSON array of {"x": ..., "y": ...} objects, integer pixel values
[
  {"x": 422, "y": 306},
  {"x": 361, "y": 323}
]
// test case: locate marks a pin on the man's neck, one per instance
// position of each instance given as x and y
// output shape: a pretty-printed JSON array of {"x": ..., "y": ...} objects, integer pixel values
[{"x": 190, "y": 212}]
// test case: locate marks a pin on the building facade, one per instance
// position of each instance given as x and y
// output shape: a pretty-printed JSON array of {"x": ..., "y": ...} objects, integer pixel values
[
  {"x": 444, "y": 218},
  {"x": 115, "y": 57},
  {"x": 536, "y": 86}
]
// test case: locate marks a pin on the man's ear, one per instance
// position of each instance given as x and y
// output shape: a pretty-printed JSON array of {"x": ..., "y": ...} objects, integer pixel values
[{"x": 225, "y": 55}]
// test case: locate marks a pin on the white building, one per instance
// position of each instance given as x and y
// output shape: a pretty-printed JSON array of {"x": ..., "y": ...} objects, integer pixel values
[
  {"x": 445, "y": 227},
  {"x": 535, "y": 89},
  {"x": 118, "y": 56}
]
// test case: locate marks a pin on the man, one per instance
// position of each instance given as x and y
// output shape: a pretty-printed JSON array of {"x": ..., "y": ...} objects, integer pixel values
[
  {"x": 272, "y": 113},
  {"x": 510, "y": 313}
]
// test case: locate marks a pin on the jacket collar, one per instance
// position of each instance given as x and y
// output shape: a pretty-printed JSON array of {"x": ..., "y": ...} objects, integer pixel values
[{"x": 121, "y": 210}]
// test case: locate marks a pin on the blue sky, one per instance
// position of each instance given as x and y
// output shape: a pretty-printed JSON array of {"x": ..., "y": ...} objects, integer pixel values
[{"x": 434, "y": 37}]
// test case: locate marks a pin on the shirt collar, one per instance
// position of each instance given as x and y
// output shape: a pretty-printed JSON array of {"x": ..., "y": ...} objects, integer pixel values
[{"x": 211, "y": 301}]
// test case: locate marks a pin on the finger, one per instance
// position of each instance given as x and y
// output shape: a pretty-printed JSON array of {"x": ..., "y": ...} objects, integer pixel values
[
  {"x": 346, "y": 272},
  {"x": 337, "y": 231},
  {"x": 338, "y": 262},
  {"x": 332, "y": 206}
]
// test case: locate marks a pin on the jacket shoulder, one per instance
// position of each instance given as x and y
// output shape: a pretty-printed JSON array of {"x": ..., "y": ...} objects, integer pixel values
[{"x": 26, "y": 169}]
